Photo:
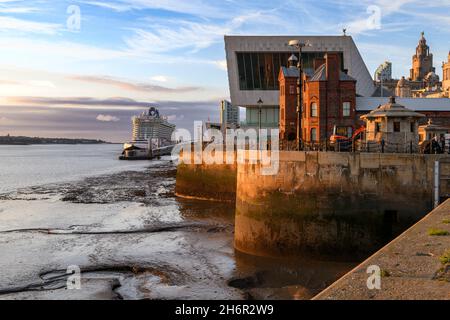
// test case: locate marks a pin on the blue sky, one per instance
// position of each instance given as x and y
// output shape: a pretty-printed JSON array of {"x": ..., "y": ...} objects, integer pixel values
[{"x": 57, "y": 80}]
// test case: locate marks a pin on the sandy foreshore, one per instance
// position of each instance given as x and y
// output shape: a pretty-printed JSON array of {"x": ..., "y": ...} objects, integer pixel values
[{"x": 133, "y": 239}]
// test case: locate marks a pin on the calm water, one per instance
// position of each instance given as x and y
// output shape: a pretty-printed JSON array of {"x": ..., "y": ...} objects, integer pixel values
[{"x": 24, "y": 166}]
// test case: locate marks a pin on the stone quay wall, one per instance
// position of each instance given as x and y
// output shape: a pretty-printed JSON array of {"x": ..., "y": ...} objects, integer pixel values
[{"x": 318, "y": 202}]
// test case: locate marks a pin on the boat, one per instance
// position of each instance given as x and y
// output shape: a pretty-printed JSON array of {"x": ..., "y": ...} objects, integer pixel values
[{"x": 150, "y": 132}]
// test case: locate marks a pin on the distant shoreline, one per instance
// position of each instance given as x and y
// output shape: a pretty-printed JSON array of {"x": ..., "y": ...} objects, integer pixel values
[{"x": 25, "y": 141}]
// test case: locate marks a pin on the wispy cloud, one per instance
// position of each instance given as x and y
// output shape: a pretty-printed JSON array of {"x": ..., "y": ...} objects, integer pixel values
[
  {"x": 133, "y": 86},
  {"x": 15, "y": 24},
  {"x": 107, "y": 118}
]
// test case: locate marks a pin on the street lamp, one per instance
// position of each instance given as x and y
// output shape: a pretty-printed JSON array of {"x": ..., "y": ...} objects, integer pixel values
[
  {"x": 299, "y": 46},
  {"x": 259, "y": 102}
]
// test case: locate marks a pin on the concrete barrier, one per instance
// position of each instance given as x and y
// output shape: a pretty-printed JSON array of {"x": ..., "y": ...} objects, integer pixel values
[{"x": 331, "y": 203}]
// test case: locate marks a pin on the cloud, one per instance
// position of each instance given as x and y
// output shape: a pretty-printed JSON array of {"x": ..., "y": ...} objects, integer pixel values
[
  {"x": 107, "y": 118},
  {"x": 221, "y": 64},
  {"x": 15, "y": 24},
  {"x": 79, "y": 101},
  {"x": 180, "y": 34},
  {"x": 134, "y": 86},
  {"x": 210, "y": 8},
  {"x": 160, "y": 78}
]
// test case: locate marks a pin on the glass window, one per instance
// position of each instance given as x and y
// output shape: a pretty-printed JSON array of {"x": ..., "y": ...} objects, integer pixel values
[
  {"x": 346, "y": 109},
  {"x": 248, "y": 71},
  {"x": 255, "y": 71},
  {"x": 412, "y": 126},
  {"x": 259, "y": 70},
  {"x": 396, "y": 126},
  {"x": 313, "y": 134},
  {"x": 313, "y": 109}
]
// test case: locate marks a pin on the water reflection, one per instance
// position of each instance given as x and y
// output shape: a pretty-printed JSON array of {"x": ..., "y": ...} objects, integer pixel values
[{"x": 262, "y": 277}]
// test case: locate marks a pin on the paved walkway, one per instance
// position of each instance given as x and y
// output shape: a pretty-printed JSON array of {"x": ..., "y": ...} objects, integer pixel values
[{"x": 410, "y": 265}]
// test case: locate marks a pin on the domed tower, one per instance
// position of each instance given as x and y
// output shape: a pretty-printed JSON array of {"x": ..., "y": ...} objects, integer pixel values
[
  {"x": 431, "y": 81},
  {"x": 403, "y": 89},
  {"x": 446, "y": 76},
  {"x": 422, "y": 61}
]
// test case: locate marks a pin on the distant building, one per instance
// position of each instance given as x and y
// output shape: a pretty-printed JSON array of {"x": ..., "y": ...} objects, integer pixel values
[
  {"x": 422, "y": 81},
  {"x": 393, "y": 127},
  {"x": 229, "y": 114},
  {"x": 438, "y": 110},
  {"x": 383, "y": 72},
  {"x": 403, "y": 88},
  {"x": 150, "y": 126},
  {"x": 422, "y": 61},
  {"x": 430, "y": 130},
  {"x": 328, "y": 101},
  {"x": 446, "y": 77}
]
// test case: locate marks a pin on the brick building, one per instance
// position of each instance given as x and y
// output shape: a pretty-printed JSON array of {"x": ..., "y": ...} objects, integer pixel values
[
  {"x": 329, "y": 100},
  {"x": 288, "y": 78}
]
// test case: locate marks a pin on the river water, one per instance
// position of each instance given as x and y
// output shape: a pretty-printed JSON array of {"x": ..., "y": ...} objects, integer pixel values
[{"x": 76, "y": 206}]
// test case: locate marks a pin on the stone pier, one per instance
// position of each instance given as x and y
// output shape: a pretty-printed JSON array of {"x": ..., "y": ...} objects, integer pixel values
[{"x": 319, "y": 203}]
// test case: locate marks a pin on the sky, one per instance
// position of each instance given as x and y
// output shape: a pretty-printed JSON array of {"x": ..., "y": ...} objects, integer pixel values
[{"x": 83, "y": 68}]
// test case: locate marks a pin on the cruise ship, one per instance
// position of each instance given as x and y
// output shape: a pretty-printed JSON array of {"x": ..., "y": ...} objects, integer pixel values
[{"x": 150, "y": 131}]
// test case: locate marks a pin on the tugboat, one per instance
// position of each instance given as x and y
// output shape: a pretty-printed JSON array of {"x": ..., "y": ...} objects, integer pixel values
[{"x": 150, "y": 131}]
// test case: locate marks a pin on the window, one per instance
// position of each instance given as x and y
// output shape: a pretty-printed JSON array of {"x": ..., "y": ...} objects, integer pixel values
[
  {"x": 259, "y": 70},
  {"x": 291, "y": 89},
  {"x": 396, "y": 126},
  {"x": 313, "y": 134},
  {"x": 413, "y": 126},
  {"x": 346, "y": 109},
  {"x": 313, "y": 109},
  {"x": 377, "y": 127}
]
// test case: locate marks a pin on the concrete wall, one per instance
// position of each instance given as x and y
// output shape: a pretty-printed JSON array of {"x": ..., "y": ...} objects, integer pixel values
[
  {"x": 319, "y": 203},
  {"x": 330, "y": 203},
  {"x": 207, "y": 181}
]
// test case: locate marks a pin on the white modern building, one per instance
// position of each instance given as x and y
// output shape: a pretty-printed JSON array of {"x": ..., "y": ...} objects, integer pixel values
[
  {"x": 383, "y": 72},
  {"x": 229, "y": 114},
  {"x": 253, "y": 64}
]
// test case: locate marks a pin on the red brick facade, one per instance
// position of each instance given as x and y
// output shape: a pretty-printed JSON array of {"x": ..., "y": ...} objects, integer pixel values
[
  {"x": 329, "y": 100},
  {"x": 288, "y": 103}
]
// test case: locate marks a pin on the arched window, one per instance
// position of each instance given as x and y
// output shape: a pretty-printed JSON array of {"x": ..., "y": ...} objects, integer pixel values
[
  {"x": 313, "y": 134},
  {"x": 313, "y": 109}
]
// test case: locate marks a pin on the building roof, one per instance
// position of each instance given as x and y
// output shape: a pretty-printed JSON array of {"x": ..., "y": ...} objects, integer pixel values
[
  {"x": 392, "y": 109},
  {"x": 430, "y": 126},
  {"x": 386, "y": 92},
  {"x": 321, "y": 75},
  {"x": 415, "y": 104},
  {"x": 290, "y": 72}
]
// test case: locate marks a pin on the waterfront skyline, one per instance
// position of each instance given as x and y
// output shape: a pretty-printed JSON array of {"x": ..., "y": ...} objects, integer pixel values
[{"x": 61, "y": 80}]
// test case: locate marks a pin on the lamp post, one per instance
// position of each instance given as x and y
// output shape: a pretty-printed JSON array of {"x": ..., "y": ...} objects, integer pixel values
[
  {"x": 259, "y": 102},
  {"x": 299, "y": 46}
]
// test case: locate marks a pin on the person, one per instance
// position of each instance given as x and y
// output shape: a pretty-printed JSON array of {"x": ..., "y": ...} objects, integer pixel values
[{"x": 435, "y": 147}]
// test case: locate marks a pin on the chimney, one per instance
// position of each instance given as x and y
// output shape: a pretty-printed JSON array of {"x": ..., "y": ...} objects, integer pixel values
[
  {"x": 292, "y": 61},
  {"x": 318, "y": 62},
  {"x": 333, "y": 65}
]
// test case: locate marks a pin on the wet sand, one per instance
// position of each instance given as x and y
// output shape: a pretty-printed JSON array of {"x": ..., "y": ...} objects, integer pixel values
[{"x": 134, "y": 239}]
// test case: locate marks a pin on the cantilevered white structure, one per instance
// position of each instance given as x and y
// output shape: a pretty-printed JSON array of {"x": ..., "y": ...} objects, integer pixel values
[{"x": 254, "y": 62}]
